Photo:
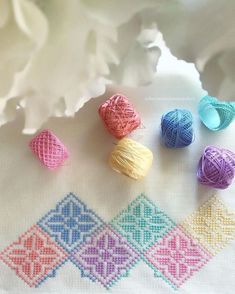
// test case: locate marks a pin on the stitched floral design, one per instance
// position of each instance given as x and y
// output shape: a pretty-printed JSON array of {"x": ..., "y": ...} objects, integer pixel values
[
  {"x": 33, "y": 256},
  {"x": 142, "y": 223},
  {"x": 70, "y": 223},
  {"x": 105, "y": 257},
  {"x": 212, "y": 224},
  {"x": 177, "y": 256},
  {"x": 106, "y": 253}
]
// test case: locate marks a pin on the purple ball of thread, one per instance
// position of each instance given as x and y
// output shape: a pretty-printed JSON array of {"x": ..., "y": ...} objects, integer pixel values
[{"x": 216, "y": 167}]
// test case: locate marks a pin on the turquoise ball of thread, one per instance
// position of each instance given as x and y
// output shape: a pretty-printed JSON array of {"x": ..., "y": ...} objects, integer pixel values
[
  {"x": 177, "y": 128},
  {"x": 216, "y": 115}
]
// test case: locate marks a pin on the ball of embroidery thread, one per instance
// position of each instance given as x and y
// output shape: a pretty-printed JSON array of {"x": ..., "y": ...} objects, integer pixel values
[
  {"x": 216, "y": 115},
  {"x": 49, "y": 149},
  {"x": 177, "y": 128},
  {"x": 216, "y": 167},
  {"x": 131, "y": 158},
  {"x": 119, "y": 116}
]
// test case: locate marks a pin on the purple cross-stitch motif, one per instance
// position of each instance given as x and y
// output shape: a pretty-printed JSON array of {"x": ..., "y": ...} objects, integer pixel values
[{"x": 106, "y": 257}]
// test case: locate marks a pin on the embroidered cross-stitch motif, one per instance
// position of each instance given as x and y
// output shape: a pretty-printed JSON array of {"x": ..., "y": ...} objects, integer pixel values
[
  {"x": 70, "y": 223},
  {"x": 106, "y": 252},
  {"x": 177, "y": 256},
  {"x": 212, "y": 224},
  {"x": 106, "y": 257},
  {"x": 33, "y": 256},
  {"x": 142, "y": 223}
]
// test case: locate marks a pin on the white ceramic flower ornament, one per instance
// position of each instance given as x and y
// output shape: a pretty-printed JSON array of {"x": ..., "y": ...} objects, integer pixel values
[
  {"x": 56, "y": 55},
  {"x": 203, "y": 32}
]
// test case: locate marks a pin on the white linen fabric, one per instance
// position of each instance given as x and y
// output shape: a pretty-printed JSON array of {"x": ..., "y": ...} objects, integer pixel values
[{"x": 28, "y": 190}]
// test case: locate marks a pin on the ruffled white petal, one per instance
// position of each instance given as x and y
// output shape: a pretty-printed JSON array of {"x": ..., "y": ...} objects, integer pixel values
[
  {"x": 203, "y": 32},
  {"x": 139, "y": 63},
  {"x": 30, "y": 20},
  {"x": 67, "y": 51},
  {"x": 113, "y": 12},
  {"x": 4, "y": 12}
]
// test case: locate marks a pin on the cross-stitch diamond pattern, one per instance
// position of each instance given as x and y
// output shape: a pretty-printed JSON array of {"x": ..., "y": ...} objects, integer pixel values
[
  {"x": 177, "y": 256},
  {"x": 70, "y": 223},
  {"x": 142, "y": 223},
  {"x": 212, "y": 224},
  {"x": 33, "y": 256},
  {"x": 106, "y": 257},
  {"x": 106, "y": 253}
]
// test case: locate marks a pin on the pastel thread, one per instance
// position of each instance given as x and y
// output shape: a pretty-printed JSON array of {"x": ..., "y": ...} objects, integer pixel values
[
  {"x": 216, "y": 167},
  {"x": 49, "y": 149},
  {"x": 131, "y": 158},
  {"x": 119, "y": 116},
  {"x": 177, "y": 128},
  {"x": 216, "y": 115}
]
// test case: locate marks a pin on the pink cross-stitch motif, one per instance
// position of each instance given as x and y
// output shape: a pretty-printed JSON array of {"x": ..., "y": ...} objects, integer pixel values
[
  {"x": 33, "y": 256},
  {"x": 177, "y": 256}
]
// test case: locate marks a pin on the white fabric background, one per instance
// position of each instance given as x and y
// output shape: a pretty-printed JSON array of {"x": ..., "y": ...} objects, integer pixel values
[{"x": 28, "y": 190}]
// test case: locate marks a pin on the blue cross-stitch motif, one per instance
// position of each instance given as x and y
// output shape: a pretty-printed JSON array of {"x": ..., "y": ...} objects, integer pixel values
[
  {"x": 142, "y": 223},
  {"x": 70, "y": 223}
]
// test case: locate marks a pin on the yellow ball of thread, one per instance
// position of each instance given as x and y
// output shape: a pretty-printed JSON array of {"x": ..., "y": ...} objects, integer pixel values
[{"x": 131, "y": 158}]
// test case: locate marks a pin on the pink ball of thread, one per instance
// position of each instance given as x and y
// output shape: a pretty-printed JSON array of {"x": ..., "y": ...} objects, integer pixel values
[
  {"x": 49, "y": 149},
  {"x": 216, "y": 167},
  {"x": 119, "y": 116}
]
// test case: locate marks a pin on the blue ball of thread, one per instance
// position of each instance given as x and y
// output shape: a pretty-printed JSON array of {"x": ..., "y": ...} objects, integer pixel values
[{"x": 177, "y": 128}]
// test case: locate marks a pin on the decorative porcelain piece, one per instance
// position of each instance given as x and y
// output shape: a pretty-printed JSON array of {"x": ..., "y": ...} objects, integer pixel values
[
  {"x": 202, "y": 32},
  {"x": 56, "y": 55}
]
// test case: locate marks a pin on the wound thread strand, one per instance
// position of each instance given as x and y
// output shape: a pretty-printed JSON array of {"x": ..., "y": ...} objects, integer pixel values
[{"x": 131, "y": 158}]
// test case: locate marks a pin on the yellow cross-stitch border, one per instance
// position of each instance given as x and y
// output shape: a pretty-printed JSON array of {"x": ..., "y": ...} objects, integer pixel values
[{"x": 213, "y": 225}]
